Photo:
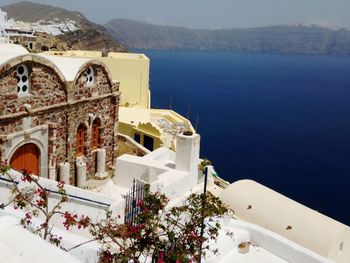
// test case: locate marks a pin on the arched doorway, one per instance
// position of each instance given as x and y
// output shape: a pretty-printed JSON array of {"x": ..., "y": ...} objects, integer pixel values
[{"x": 27, "y": 157}]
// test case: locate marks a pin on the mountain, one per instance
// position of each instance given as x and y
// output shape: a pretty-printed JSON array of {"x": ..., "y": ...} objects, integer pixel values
[
  {"x": 89, "y": 36},
  {"x": 274, "y": 39}
]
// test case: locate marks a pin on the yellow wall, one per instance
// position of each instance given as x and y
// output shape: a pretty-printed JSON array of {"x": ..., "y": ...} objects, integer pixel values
[
  {"x": 126, "y": 129},
  {"x": 76, "y": 53},
  {"x": 132, "y": 70},
  {"x": 142, "y": 129},
  {"x": 151, "y": 131}
]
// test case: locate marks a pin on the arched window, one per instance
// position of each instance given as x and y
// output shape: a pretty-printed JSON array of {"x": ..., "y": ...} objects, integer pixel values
[
  {"x": 22, "y": 75},
  {"x": 90, "y": 77},
  {"x": 81, "y": 140},
  {"x": 95, "y": 133}
]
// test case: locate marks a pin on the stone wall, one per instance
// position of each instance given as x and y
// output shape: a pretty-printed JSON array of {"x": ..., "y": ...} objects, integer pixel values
[
  {"x": 46, "y": 89},
  {"x": 104, "y": 109},
  {"x": 102, "y": 84}
]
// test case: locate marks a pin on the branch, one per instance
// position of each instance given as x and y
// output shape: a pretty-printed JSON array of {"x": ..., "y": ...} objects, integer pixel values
[{"x": 81, "y": 244}]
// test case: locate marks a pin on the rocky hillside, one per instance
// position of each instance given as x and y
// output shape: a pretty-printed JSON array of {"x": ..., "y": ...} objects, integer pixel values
[
  {"x": 88, "y": 36},
  {"x": 274, "y": 39}
]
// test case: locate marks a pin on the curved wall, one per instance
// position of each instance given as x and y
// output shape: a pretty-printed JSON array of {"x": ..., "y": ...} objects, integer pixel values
[{"x": 257, "y": 204}]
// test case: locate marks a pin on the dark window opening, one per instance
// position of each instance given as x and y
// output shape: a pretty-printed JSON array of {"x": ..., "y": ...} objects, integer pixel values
[
  {"x": 148, "y": 142},
  {"x": 137, "y": 137}
]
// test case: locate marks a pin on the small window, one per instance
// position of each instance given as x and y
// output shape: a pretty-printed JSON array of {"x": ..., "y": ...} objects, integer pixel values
[
  {"x": 137, "y": 137},
  {"x": 148, "y": 142},
  {"x": 90, "y": 77},
  {"x": 81, "y": 140},
  {"x": 95, "y": 134},
  {"x": 22, "y": 76}
]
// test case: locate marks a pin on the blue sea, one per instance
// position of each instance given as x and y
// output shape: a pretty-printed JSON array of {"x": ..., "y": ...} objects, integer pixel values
[{"x": 281, "y": 120}]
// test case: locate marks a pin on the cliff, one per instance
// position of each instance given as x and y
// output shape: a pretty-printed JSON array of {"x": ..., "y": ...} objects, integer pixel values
[
  {"x": 273, "y": 39},
  {"x": 89, "y": 36}
]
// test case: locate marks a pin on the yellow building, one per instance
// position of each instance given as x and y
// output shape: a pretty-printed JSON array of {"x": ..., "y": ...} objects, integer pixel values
[
  {"x": 152, "y": 128},
  {"x": 130, "y": 69}
]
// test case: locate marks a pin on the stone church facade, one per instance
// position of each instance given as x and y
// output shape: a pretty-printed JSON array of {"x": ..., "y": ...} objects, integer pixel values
[{"x": 58, "y": 116}]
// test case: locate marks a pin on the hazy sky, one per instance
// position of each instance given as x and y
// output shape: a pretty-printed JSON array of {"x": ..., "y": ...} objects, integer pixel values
[{"x": 212, "y": 13}]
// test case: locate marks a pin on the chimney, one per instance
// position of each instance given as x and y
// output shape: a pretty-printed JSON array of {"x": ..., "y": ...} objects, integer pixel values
[{"x": 187, "y": 154}]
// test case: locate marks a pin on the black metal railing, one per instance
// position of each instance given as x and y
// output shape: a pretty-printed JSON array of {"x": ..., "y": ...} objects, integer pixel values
[{"x": 132, "y": 201}]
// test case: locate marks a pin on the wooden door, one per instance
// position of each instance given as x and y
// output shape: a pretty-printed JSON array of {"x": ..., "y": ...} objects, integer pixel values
[{"x": 27, "y": 157}]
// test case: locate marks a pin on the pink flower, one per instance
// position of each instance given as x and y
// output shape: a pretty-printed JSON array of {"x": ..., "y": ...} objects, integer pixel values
[
  {"x": 141, "y": 203},
  {"x": 70, "y": 220}
]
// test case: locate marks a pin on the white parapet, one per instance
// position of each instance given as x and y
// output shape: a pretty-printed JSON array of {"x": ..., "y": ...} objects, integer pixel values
[
  {"x": 81, "y": 172},
  {"x": 257, "y": 204},
  {"x": 101, "y": 162},
  {"x": 187, "y": 154},
  {"x": 64, "y": 172}
]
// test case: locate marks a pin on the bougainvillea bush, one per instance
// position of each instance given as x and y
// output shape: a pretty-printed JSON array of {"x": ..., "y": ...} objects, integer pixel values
[
  {"x": 159, "y": 232},
  {"x": 33, "y": 199}
]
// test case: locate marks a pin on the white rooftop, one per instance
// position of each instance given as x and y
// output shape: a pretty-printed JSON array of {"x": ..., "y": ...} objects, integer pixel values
[
  {"x": 10, "y": 51},
  {"x": 68, "y": 66}
]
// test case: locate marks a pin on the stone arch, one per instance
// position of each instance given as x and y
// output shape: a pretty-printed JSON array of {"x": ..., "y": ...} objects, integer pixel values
[
  {"x": 94, "y": 64},
  {"x": 27, "y": 58},
  {"x": 98, "y": 116}
]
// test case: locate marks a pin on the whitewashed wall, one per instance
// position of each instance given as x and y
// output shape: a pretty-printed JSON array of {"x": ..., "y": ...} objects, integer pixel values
[{"x": 81, "y": 202}]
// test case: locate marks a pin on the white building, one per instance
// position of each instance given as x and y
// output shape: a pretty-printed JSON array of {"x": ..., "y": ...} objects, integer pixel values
[
  {"x": 3, "y": 22},
  {"x": 10, "y": 29},
  {"x": 3, "y": 18}
]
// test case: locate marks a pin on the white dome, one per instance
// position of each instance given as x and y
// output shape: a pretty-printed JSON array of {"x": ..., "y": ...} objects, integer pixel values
[
  {"x": 12, "y": 48},
  {"x": 10, "y": 51}
]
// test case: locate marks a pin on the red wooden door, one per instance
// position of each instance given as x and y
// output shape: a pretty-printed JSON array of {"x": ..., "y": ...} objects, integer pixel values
[{"x": 27, "y": 157}]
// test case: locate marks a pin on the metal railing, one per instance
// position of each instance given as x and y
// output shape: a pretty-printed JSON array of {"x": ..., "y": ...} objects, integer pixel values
[{"x": 132, "y": 201}]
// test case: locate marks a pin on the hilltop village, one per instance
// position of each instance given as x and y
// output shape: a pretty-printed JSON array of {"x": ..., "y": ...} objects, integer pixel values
[{"x": 86, "y": 119}]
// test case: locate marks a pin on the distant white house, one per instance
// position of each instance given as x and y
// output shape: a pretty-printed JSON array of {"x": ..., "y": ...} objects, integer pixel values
[
  {"x": 3, "y": 21},
  {"x": 3, "y": 18}
]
